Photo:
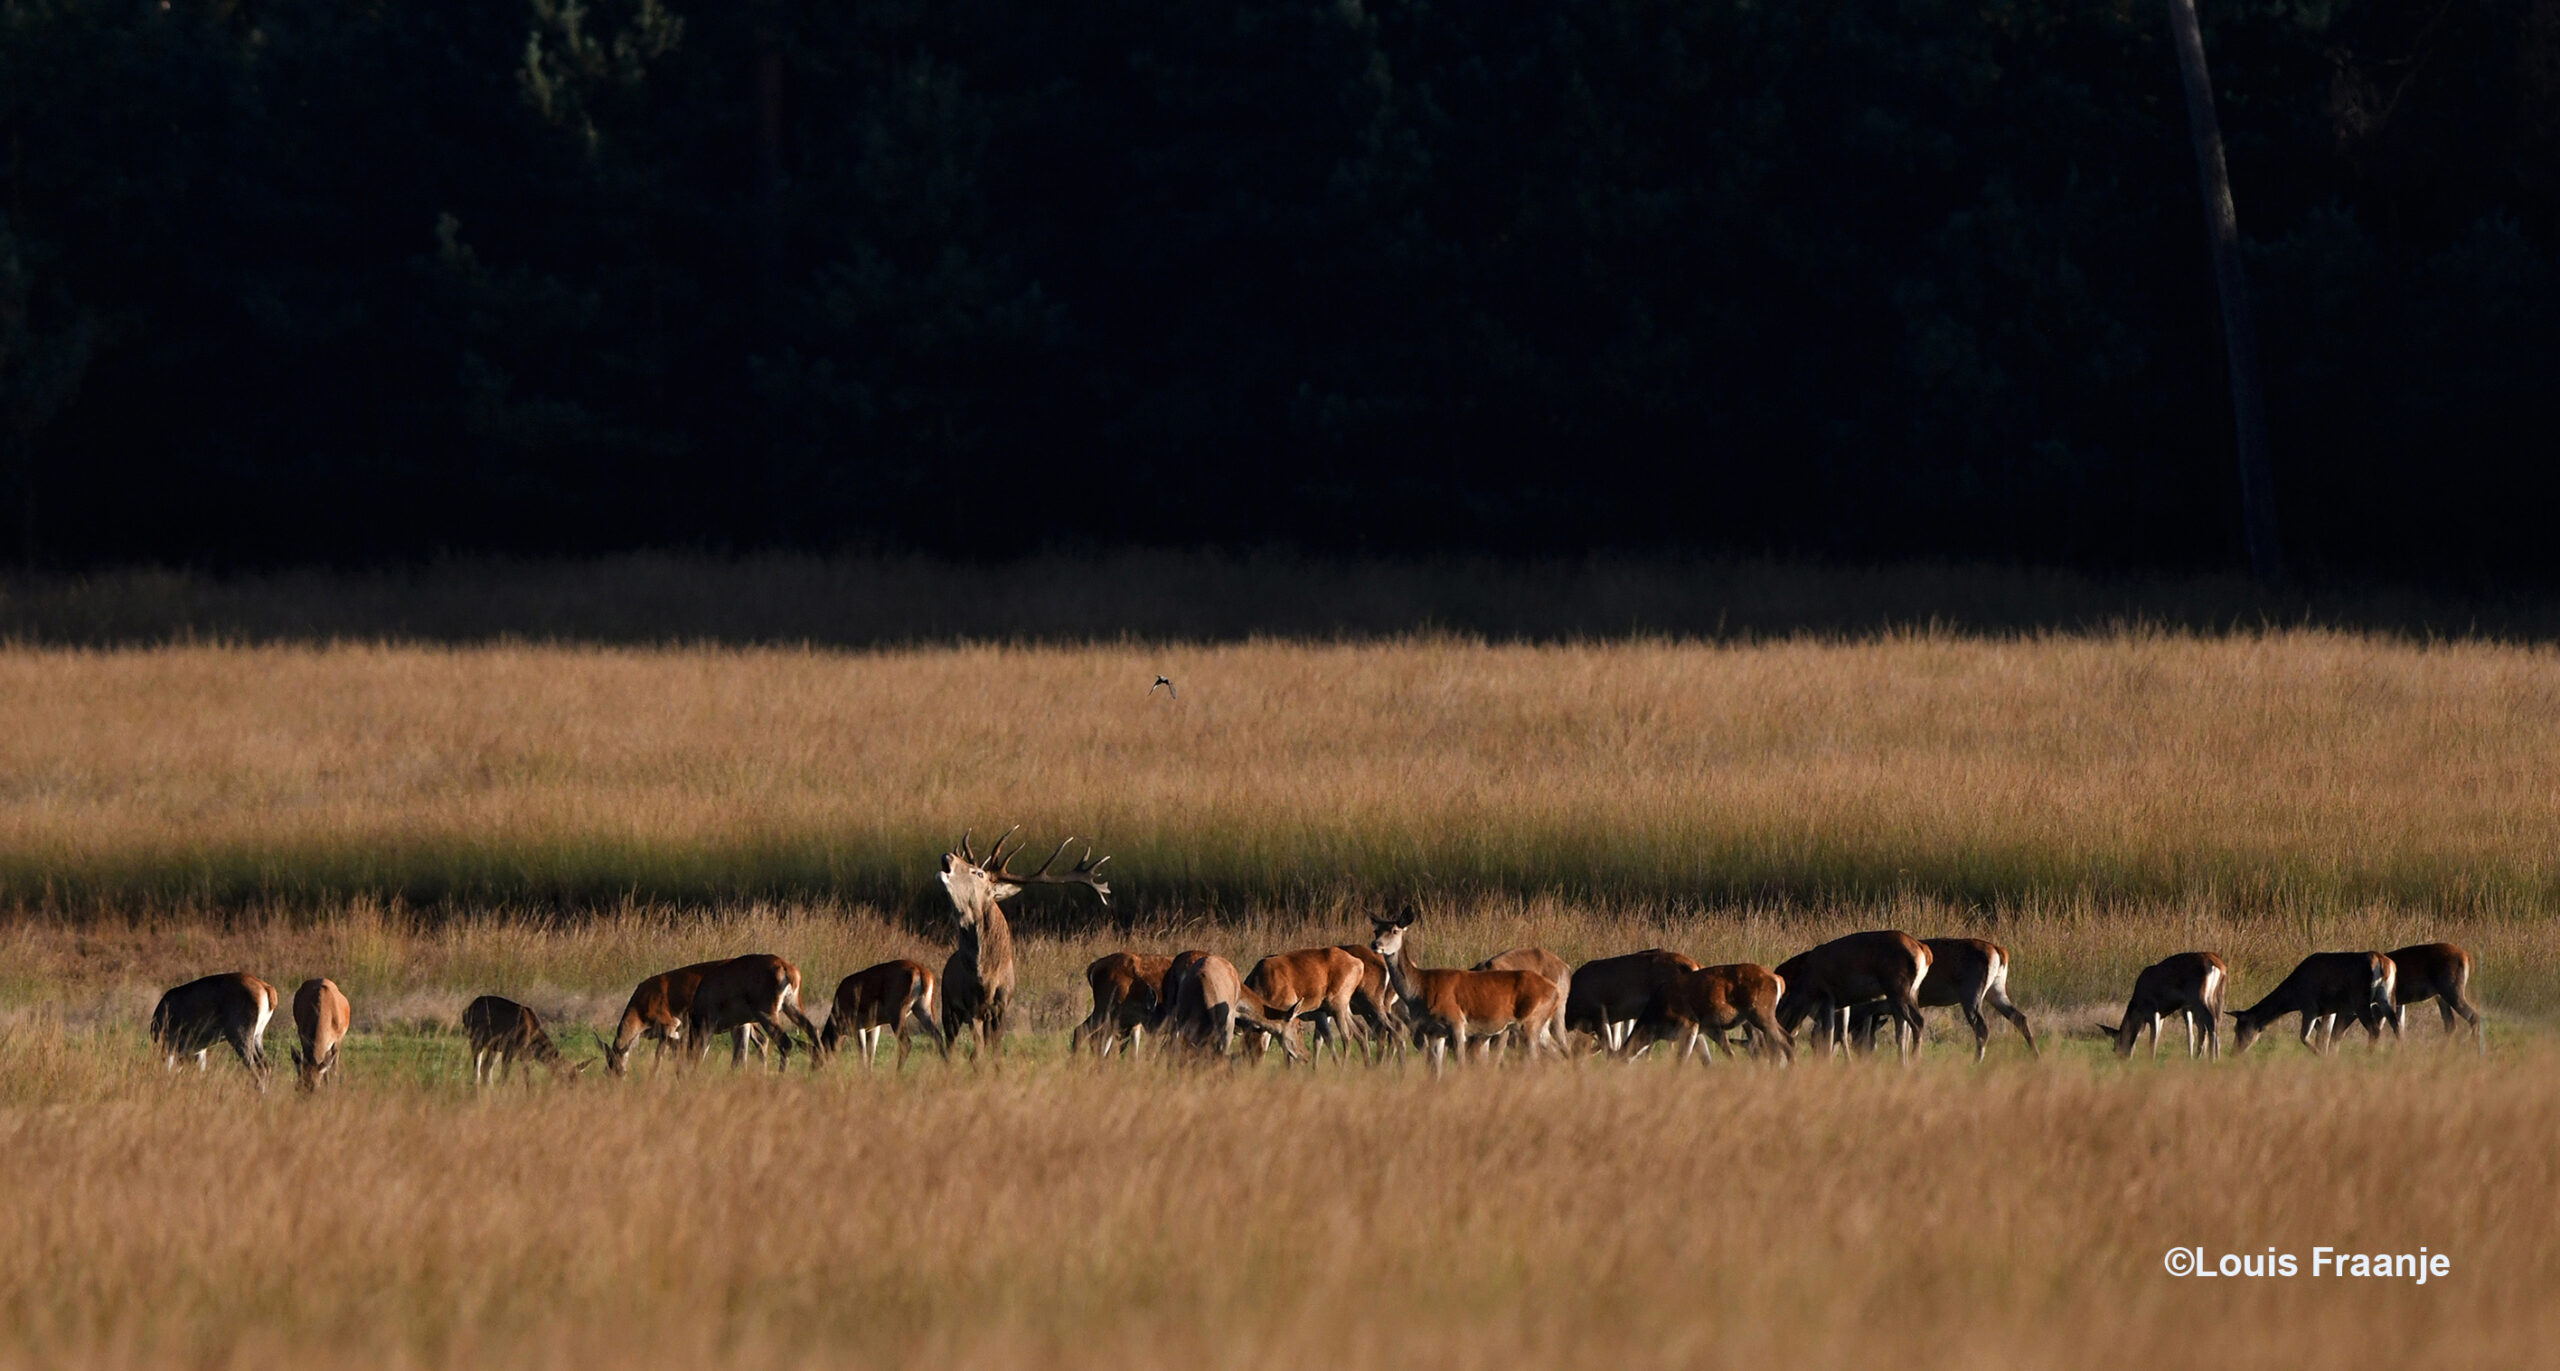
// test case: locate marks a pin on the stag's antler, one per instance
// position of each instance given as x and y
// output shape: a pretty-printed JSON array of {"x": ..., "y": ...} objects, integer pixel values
[{"x": 1087, "y": 872}]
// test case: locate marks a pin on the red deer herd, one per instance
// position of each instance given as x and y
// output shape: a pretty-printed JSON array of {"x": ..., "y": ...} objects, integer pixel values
[{"x": 1374, "y": 998}]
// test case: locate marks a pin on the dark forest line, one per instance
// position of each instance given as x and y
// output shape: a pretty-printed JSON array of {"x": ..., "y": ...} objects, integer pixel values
[
  {"x": 873, "y": 600},
  {"x": 289, "y": 282}
]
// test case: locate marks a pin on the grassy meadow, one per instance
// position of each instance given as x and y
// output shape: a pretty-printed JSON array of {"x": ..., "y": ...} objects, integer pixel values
[
  {"x": 427, "y": 823},
  {"x": 2311, "y": 772}
]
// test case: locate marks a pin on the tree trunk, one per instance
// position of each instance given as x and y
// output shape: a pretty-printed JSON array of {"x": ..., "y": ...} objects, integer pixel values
[{"x": 2231, "y": 283}]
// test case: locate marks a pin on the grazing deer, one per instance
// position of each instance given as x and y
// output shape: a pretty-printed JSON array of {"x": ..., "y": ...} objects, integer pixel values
[
  {"x": 1830, "y": 980},
  {"x": 2440, "y": 972},
  {"x": 230, "y": 1008},
  {"x": 1312, "y": 981},
  {"x": 897, "y": 996},
  {"x": 655, "y": 1011},
  {"x": 2323, "y": 988},
  {"x": 1609, "y": 997},
  {"x": 1206, "y": 1003},
  {"x": 320, "y": 1019},
  {"x": 500, "y": 1030},
  {"x": 1699, "y": 1007},
  {"x": 1538, "y": 960},
  {"x": 756, "y": 991},
  {"x": 1966, "y": 974},
  {"x": 1373, "y": 1005},
  {"x": 977, "y": 982},
  {"x": 1127, "y": 986},
  {"x": 2189, "y": 985},
  {"x": 1452, "y": 1007}
]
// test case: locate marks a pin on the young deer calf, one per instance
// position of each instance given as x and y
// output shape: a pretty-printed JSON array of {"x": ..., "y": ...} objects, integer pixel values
[
  {"x": 500, "y": 1030},
  {"x": 893, "y": 996},
  {"x": 1126, "y": 987},
  {"x": 1699, "y": 1007},
  {"x": 230, "y": 1008},
  {"x": 320, "y": 1018},
  {"x": 2440, "y": 972},
  {"x": 2189, "y": 985},
  {"x": 1205, "y": 1003},
  {"x": 2324, "y": 988}
]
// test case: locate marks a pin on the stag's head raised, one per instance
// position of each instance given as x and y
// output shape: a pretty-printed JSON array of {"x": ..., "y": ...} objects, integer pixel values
[{"x": 975, "y": 886}]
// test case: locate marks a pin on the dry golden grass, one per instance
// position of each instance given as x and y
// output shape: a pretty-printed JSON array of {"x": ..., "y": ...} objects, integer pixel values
[
  {"x": 425, "y": 825},
  {"x": 1062, "y": 1215},
  {"x": 2295, "y": 771}
]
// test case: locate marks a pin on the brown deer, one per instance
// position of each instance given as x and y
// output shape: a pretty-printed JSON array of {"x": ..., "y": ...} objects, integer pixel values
[
  {"x": 2189, "y": 985},
  {"x": 1540, "y": 961},
  {"x": 230, "y": 1008},
  {"x": 1312, "y": 982},
  {"x": 2440, "y": 972},
  {"x": 1699, "y": 1007},
  {"x": 1832, "y": 979},
  {"x": 1207, "y": 1004},
  {"x": 977, "y": 982},
  {"x": 655, "y": 1011},
  {"x": 1373, "y": 1005},
  {"x": 500, "y": 1030},
  {"x": 320, "y": 1019},
  {"x": 1965, "y": 974},
  {"x": 2323, "y": 988},
  {"x": 1126, "y": 989},
  {"x": 757, "y": 991},
  {"x": 897, "y": 996},
  {"x": 1452, "y": 1007},
  {"x": 1610, "y": 996}
]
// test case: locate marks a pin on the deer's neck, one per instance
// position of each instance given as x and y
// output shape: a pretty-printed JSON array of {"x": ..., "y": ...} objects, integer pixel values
[
  {"x": 1400, "y": 975},
  {"x": 993, "y": 943}
]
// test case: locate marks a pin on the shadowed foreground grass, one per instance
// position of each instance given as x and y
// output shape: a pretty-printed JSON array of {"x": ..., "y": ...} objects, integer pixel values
[{"x": 1061, "y": 1215}]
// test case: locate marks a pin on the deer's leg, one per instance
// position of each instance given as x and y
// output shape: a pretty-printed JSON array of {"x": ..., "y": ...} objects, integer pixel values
[
  {"x": 251, "y": 1060},
  {"x": 2018, "y": 1019},
  {"x": 1981, "y": 1029}
]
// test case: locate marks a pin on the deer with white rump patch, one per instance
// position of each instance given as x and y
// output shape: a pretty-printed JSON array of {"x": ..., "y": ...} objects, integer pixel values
[
  {"x": 2440, "y": 972},
  {"x": 2189, "y": 985},
  {"x": 1843, "y": 973},
  {"x": 895, "y": 996},
  {"x": 2323, "y": 988},
  {"x": 230, "y": 1008},
  {"x": 320, "y": 1018}
]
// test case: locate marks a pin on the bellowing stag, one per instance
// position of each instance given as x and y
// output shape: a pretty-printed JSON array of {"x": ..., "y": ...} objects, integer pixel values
[{"x": 977, "y": 982}]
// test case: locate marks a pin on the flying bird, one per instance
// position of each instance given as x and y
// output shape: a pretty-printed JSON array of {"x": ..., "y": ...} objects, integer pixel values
[{"x": 1165, "y": 684}]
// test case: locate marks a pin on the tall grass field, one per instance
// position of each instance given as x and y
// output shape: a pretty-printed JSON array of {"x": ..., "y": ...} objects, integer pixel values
[{"x": 425, "y": 824}]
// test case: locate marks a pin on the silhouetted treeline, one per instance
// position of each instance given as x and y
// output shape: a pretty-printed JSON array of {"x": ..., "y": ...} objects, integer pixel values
[{"x": 327, "y": 280}]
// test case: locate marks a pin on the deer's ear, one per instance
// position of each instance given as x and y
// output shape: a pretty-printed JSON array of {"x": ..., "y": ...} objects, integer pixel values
[{"x": 1005, "y": 890}]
